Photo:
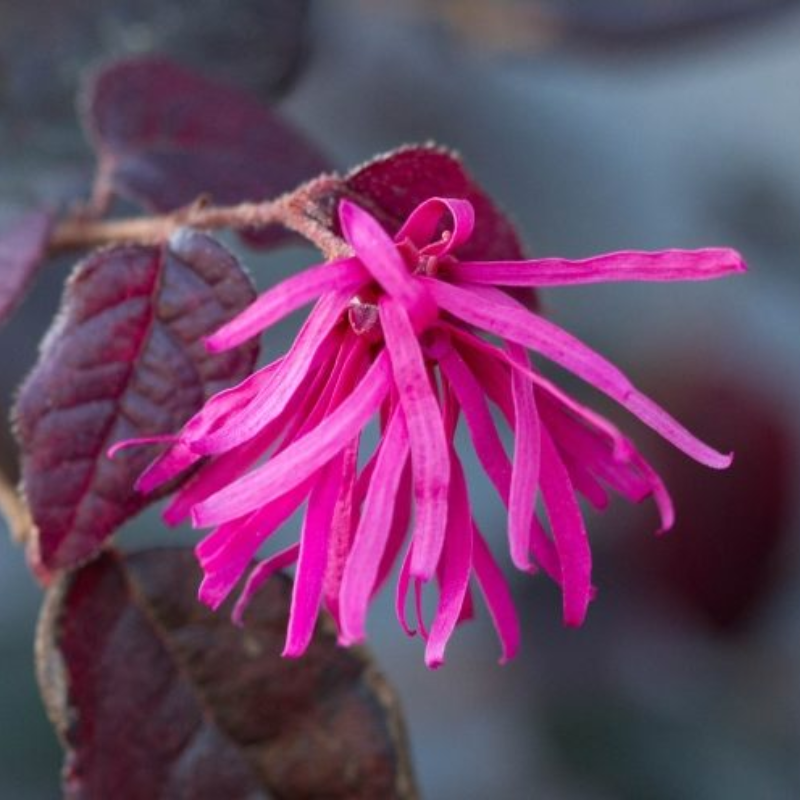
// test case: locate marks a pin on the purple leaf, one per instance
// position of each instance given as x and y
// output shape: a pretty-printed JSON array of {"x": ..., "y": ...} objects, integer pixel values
[
  {"x": 23, "y": 247},
  {"x": 124, "y": 359},
  {"x": 167, "y": 136},
  {"x": 152, "y": 692},
  {"x": 722, "y": 562}
]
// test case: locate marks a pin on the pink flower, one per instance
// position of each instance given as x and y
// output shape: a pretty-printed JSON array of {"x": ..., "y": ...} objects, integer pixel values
[{"x": 395, "y": 335}]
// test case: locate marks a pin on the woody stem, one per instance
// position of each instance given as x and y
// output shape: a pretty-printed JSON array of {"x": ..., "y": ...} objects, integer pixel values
[{"x": 293, "y": 211}]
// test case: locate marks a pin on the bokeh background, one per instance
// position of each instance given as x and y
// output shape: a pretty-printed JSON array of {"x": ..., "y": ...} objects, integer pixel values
[{"x": 597, "y": 126}]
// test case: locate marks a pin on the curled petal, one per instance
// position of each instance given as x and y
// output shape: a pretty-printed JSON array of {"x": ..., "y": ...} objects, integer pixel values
[{"x": 424, "y": 222}]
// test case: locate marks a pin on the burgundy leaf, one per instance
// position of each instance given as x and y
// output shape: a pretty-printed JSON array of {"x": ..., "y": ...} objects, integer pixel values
[
  {"x": 23, "y": 247},
  {"x": 155, "y": 696},
  {"x": 167, "y": 136},
  {"x": 393, "y": 185},
  {"x": 124, "y": 359},
  {"x": 721, "y": 562}
]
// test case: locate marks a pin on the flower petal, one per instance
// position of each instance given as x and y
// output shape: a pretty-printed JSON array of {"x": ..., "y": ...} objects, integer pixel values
[
  {"x": 469, "y": 393},
  {"x": 176, "y": 459},
  {"x": 569, "y": 533},
  {"x": 344, "y": 276},
  {"x": 313, "y": 344},
  {"x": 526, "y": 465},
  {"x": 455, "y": 567},
  {"x": 374, "y": 528},
  {"x": 511, "y": 321},
  {"x": 342, "y": 526},
  {"x": 401, "y": 592},
  {"x": 227, "y": 552},
  {"x": 219, "y": 472},
  {"x": 498, "y": 598},
  {"x": 260, "y": 575},
  {"x": 609, "y": 456},
  {"x": 429, "y": 450},
  {"x": 630, "y": 265},
  {"x": 313, "y": 559},
  {"x": 424, "y": 222},
  {"x": 303, "y": 457},
  {"x": 518, "y": 494},
  {"x": 399, "y": 529}
]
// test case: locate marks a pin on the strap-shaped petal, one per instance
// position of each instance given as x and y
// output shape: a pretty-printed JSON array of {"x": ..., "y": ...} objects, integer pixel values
[
  {"x": 569, "y": 533},
  {"x": 455, "y": 568},
  {"x": 226, "y": 553},
  {"x": 304, "y": 456},
  {"x": 470, "y": 395},
  {"x": 630, "y": 265},
  {"x": 314, "y": 343},
  {"x": 374, "y": 528},
  {"x": 526, "y": 461},
  {"x": 342, "y": 527},
  {"x": 429, "y": 449},
  {"x": 260, "y": 575},
  {"x": 344, "y": 276},
  {"x": 313, "y": 559},
  {"x": 496, "y": 593},
  {"x": 509, "y": 320}
]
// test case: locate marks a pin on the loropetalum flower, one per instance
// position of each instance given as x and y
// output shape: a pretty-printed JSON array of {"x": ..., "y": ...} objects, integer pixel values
[{"x": 398, "y": 335}]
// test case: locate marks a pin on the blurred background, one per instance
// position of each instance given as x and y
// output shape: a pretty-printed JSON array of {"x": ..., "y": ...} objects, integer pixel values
[{"x": 597, "y": 126}]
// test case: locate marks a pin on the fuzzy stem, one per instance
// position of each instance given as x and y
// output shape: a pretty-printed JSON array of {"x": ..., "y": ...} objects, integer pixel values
[{"x": 293, "y": 211}]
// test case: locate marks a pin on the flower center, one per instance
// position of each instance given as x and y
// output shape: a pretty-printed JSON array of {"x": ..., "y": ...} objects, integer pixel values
[
  {"x": 363, "y": 317},
  {"x": 362, "y": 312}
]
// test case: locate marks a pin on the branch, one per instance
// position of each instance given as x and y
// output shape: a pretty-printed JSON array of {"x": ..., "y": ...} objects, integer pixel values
[
  {"x": 293, "y": 211},
  {"x": 15, "y": 511}
]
